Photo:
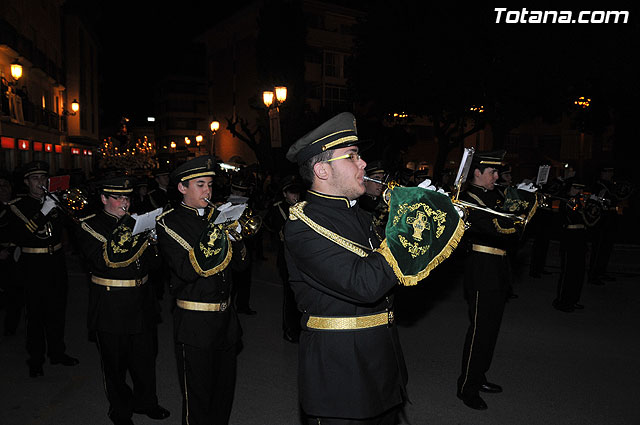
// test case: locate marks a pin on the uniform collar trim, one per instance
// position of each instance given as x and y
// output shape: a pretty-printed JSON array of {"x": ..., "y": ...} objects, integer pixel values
[{"x": 341, "y": 200}]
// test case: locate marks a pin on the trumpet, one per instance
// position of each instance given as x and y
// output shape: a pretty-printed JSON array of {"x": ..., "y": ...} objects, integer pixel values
[
  {"x": 386, "y": 195},
  {"x": 249, "y": 222},
  {"x": 73, "y": 201}
]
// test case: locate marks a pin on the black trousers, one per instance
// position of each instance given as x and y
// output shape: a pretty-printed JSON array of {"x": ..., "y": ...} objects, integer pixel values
[
  {"x": 602, "y": 246},
  {"x": 390, "y": 417},
  {"x": 207, "y": 380},
  {"x": 543, "y": 228},
  {"x": 13, "y": 292},
  {"x": 485, "y": 315},
  {"x": 573, "y": 251},
  {"x": 45, "y": 286},
  {"x": 133, "y": 353},
  {"x": 241, "y": 291}
]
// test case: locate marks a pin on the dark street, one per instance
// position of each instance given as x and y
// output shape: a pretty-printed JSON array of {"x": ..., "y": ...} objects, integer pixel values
[{"x": 555, "y": 367}]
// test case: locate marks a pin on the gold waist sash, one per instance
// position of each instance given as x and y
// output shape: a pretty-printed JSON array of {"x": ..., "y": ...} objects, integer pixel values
[
  {"x": 197, "y": 306},
  {"x": 488, "y": 250},
  {"x": 119, "y": 283},
  {"x": 350, "y": 323},
  {"x": 575, "y": 226},
  {"x": 46, "y": 250}
]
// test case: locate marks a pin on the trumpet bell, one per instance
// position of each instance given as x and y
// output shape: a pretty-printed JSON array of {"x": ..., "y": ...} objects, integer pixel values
[
  {"x": 250, "y": 223},
  {"x": 75, "y": 200}
]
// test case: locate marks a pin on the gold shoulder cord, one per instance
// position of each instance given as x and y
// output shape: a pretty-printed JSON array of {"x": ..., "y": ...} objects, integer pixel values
[
  {"x": 176, "y": 237},
  {"x": 296, "y": 213},
  {"x": 31, "y": 226},
  {"x": 92, "y": 232},
  {"x": 478, "y": 200}
]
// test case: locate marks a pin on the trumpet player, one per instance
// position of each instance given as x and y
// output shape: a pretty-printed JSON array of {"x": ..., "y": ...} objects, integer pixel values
[
  {"x": 486, "y": 280},
  {"x": 200, "y": 255},
  {"x": 573, "y": 250},
  {"x": 36, "y": 229},
  {"x": 122, "y": 305}
]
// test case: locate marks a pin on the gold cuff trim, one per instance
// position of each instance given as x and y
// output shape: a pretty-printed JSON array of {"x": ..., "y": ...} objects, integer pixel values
[
  {"x": 351, "y": 323},
  {"x": 488, "y": 250},
  {"x": 119, "y": 283},
  {"x": 47, "y": 250},
  {"x": 196, "y": 306}
]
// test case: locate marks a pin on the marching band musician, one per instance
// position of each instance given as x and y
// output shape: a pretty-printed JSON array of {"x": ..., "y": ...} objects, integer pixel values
[
  {"x": 351, "y": 366},
  {"x": 36, "y": 229},
  {"x": 122, "y": 305},
  {"x": 573, "y": 251},
  {"x": 200, "y": 255},
  {"x": 487, "y": 278},
  {"x": 275, "y": 219}
]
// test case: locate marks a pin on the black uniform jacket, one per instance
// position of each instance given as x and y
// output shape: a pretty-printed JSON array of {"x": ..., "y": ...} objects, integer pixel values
[
  {"x": 487, "y": 271},
  {"x": 215, "y": 329},
  {"x": 127, "y": 310},
  {"x": 29, "y": 228},
  {"x": 347, "y": 374}
]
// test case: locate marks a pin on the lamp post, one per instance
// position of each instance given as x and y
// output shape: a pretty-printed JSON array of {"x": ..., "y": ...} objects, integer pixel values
[
  {"x": 272, "y": 105},
  {"x": 215, "y": 126}
]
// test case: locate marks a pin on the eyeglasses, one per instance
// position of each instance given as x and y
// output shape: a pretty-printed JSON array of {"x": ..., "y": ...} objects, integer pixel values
[
  {"x": 353, "y": 156},
  {"x": 120, "y": 198}
]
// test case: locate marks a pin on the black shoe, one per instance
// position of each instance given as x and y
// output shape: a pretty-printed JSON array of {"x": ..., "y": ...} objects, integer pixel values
[
  {"x": 535, "y": 275},
  {"x": 248, "y": 311},
  {"x": 473, "y": 401},
  {"x": 564, "y": 308},
  {"x": 65, "y": 360},
  {"x": 488, "y": 387},
  {"x": 608, "y": 278},
  {"x": 546, "y": 272},
  {"x": 578, "y": 306},
  {"x": 596, "y": 281},
  {"x": 290, "y": 336},
  {"x": 9, "y": 332},
  {"x": 512, "y": 296},
  {"x": 157, "y": 412},
  {"x": 35, "y": 371}
]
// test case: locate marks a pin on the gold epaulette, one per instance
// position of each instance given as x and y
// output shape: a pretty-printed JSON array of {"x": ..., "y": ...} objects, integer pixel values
[{"x": 14, "y": 200}]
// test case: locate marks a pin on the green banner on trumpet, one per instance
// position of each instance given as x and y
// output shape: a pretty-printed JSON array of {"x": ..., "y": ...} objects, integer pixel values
[
  {"x": 422, "y": 231},
  {"x": 123, "y": 248}
]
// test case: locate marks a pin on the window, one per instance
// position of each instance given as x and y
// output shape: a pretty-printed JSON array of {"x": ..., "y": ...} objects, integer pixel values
[
  {"x": 332, "y": 65},
  {"x": 335, "y": 98}
]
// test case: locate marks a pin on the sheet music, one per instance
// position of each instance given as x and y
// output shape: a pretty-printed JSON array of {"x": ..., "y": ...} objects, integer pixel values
[
  {"x": 465, "y": 164},
  {"x": 229, "y": 213},
  {"x": 543, "y": 174},
  {"x": 146, "y": 221}
]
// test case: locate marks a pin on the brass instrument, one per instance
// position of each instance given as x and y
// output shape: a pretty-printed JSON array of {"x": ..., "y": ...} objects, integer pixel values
[
  {"x": 70, "y": 201},
  {"x": 249, "y": 222},
  {"x": 386, "y": 195}
]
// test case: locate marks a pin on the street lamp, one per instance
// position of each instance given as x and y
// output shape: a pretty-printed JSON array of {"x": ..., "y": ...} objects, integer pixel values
[
  {"x": 215, "y": 126},
  {"x": 75, "y": 107},
  {"x": 274, "y": 112},
  {"x": 16, "y": 71}
]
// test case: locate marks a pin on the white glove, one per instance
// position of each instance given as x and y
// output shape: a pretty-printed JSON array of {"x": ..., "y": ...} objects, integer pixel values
[
  {"x": 238, "y": 231},
  {"x": 48, "y": 205},
  {"x": 426, "y": 184},
  {"x": 459, "y": 210},
  {"x": 529, "y": 187}
]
